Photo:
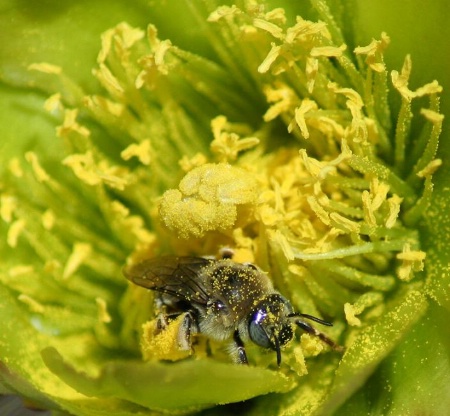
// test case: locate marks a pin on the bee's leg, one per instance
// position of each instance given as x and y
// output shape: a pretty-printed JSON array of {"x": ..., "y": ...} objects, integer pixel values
[
  {"x": 240, "y": 349},
  {"x": 313, "y": 331},
  {"x": 163, "y": 320},
  {"x": 188, "y": 327},
  {"x": 208, "y": 349},
  {"x": 162, "y": 317}
]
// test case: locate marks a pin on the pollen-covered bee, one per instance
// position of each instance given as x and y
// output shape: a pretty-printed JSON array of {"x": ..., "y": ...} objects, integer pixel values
[{"x": 223, "y": 300}]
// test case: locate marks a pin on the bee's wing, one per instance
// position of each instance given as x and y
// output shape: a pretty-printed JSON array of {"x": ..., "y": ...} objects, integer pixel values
[{"x": 182, "y": 277}]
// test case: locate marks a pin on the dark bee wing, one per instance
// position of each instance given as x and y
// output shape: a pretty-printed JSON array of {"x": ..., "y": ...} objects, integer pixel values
[{"x": 181, "y": 277}]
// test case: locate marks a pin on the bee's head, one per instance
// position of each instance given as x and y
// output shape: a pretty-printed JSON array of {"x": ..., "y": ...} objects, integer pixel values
[{"x": 269, "y": 325}]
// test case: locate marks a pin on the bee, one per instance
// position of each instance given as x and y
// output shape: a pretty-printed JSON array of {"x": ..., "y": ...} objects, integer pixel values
[{"x": 223, "y": 300}]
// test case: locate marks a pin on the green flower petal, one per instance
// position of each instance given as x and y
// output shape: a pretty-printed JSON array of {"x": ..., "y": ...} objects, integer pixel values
[
  {"x": 411, "y": 379},
  {"x": 153, "y": 385},
  {"x": 21, "y": 370},
  {"x": 373, "y": 345}
]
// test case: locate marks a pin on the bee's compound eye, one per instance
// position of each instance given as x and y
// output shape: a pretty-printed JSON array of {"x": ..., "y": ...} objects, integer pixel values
[{"x": 257, "y": 331}]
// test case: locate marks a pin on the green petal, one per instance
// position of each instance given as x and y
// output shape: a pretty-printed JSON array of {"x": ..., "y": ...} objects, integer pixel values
[
  {"x": 22, "y": 371},
  {"x": 373, "y": 345},
  {"x": 412, "y": 379},
  {"x": 171, "y": 387}
]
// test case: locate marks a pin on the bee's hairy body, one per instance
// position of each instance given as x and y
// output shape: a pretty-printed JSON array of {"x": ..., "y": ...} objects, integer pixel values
[{"x": 223, "y": 300}]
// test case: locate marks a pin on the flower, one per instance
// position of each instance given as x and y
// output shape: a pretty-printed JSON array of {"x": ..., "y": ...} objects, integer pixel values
[{"x": 274, "y": 134}]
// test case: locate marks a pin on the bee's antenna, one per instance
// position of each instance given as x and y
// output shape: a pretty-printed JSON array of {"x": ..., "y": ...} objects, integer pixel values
[{"x": 312, "y": 318}]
